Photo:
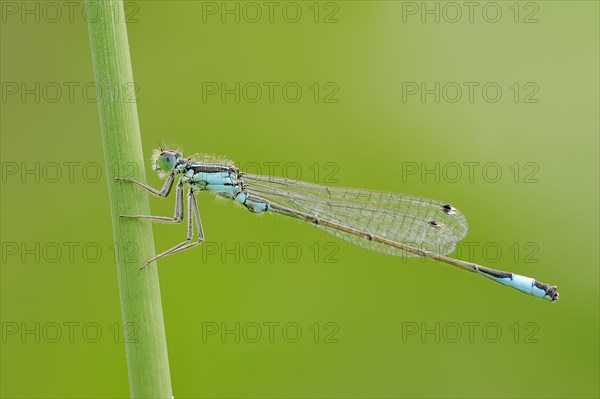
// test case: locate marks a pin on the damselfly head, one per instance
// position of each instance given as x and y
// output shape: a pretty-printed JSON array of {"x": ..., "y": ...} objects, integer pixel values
[{"x": 165, "y": 160}]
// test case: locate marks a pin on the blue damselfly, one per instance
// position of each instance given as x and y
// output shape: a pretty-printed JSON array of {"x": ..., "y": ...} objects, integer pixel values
[{"x": 395, "y": 224}]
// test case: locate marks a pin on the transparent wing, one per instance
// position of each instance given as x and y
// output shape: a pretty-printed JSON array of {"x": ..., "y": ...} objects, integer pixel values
[{"x": 420, "y": 222}]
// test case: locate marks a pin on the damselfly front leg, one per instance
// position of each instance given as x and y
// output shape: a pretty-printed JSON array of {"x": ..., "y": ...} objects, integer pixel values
[
  {"x": 178, "y": 214},
  {"x": 164, "y": 191}
]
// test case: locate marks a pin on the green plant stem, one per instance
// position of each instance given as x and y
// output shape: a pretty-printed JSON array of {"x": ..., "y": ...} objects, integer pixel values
[{"x": 144, "y": 332}]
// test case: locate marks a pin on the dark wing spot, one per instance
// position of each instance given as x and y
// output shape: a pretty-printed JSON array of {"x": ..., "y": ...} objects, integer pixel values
[
  {"x": 436, "y": 224},
  {"x": 448, "y": 209}
]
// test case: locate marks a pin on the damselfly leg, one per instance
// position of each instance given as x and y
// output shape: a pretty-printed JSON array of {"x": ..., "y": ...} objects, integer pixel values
[{"x": 193, "y": 212}]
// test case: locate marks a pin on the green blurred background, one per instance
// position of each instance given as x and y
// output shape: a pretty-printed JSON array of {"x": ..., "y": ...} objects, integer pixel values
[{"x": 372, "y": 325}]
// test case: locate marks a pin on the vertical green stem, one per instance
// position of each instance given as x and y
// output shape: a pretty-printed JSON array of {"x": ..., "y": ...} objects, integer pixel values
[{"x": 145, "y": 340}]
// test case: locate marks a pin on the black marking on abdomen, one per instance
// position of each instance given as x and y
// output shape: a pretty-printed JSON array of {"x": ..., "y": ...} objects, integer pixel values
[{"x": 497, "y": 273}]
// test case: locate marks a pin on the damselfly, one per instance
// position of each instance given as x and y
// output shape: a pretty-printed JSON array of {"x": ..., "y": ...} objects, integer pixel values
[{"x": 395, "y": 224}]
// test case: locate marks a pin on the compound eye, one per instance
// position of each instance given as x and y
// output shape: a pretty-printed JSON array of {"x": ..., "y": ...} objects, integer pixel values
[{"x": 166, "y": 161}]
